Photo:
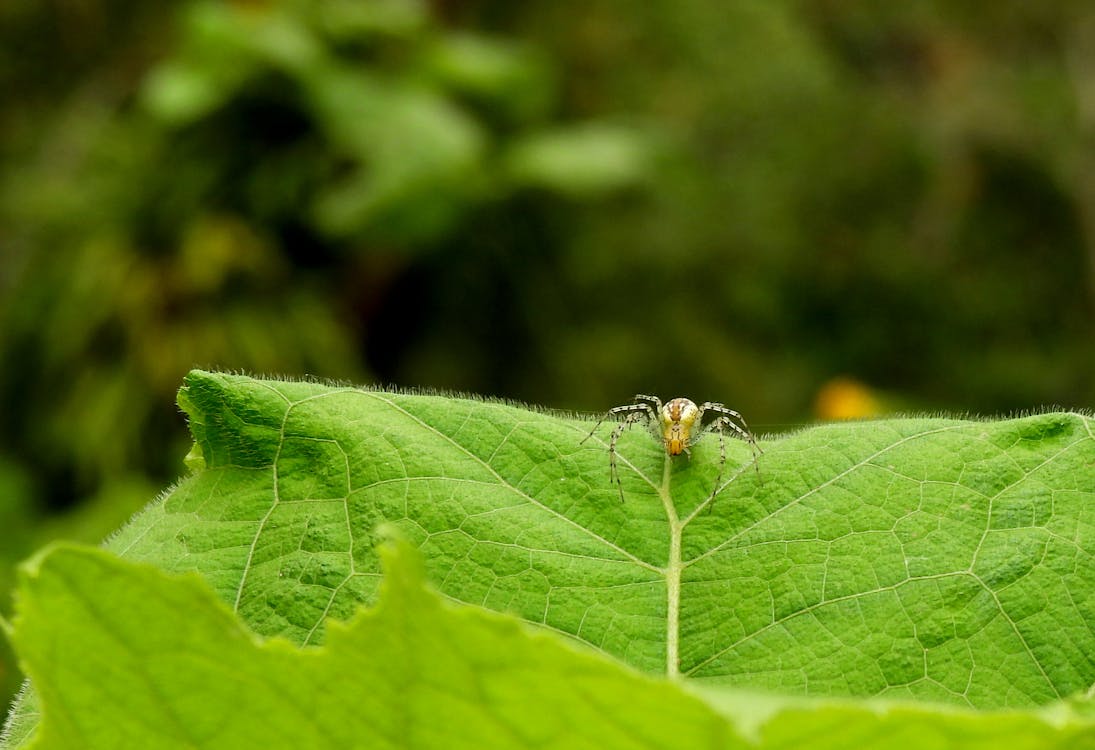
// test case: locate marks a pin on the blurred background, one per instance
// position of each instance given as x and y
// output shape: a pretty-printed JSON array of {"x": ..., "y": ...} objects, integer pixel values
[{"x": 807, "y": 210}]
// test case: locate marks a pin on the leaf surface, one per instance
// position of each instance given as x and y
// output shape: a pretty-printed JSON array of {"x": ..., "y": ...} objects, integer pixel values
[
  {"x": 415, "y": 672},
  {"x": 925, "y": 559},
  {"x": 933, "y": 558}
]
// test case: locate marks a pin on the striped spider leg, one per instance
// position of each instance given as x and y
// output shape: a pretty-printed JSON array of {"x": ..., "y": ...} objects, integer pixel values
[
  {"x": 725, "y": 420},
  {"x": 645, "y": 409}
]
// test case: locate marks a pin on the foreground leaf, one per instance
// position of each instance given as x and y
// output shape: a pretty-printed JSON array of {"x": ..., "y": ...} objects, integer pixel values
[{"x": 117, "y": 667}]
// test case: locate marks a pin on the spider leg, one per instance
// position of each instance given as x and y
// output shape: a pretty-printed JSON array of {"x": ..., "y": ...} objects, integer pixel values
[
  {"x": 625, "y": 409},
  {"x": 599, "y": 423},
  {"x": 727, "y": 416},
  {"x": 613, "y": 472},
  {"x": 721, "y": 409},
  {"x": 632, "y": 413},
  {"x": 725, "y": 421},
  {"x": 722, "y": 465},
  {"x": 641, "y": 399}
]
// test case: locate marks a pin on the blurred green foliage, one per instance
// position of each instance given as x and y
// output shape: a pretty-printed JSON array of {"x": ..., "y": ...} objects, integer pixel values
[{"x": 563, "y": 202}]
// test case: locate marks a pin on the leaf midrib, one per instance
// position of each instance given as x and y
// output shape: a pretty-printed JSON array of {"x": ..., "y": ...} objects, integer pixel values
[{"x": 672, "y": 574}]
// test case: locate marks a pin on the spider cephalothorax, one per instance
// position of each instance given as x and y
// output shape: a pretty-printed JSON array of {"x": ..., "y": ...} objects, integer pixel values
[{"x": 679, "y": 424}]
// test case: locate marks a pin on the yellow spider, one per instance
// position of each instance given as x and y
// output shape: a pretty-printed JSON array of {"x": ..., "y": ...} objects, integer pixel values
[{"x": 679, "y": 425}]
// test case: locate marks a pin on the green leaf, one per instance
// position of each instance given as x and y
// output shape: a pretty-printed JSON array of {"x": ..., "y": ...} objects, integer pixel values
[
  {"x": 923, "y": 559},
  {"x": 513, "y": 78},
  {"x": 349, "y": 20},
  {"x": 582, "y": 160},
  {"x": 932, "y": 558},
  {"x": 395, "y": 189},
  {"x": 118, "y": 667}
]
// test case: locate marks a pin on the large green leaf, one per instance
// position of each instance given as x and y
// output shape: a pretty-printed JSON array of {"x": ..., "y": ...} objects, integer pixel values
[
  {"x": 939, "y": 559},
  {"x": 118, "y": 668}
]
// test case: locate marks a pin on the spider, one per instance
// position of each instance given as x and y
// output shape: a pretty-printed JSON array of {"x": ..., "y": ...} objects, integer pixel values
[{"x": 679, "y": 425}]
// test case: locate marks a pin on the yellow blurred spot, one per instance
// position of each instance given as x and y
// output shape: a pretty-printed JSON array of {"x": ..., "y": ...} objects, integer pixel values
[{"x": 846, "y": 398}]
